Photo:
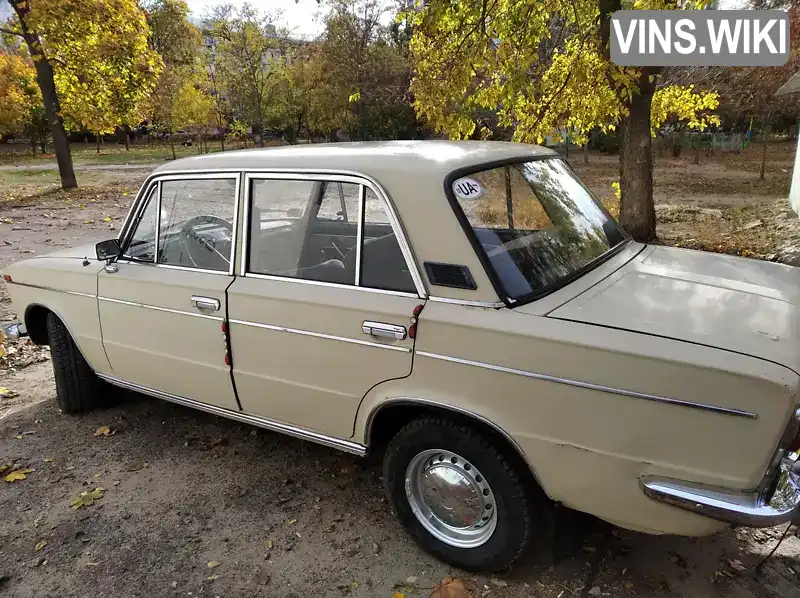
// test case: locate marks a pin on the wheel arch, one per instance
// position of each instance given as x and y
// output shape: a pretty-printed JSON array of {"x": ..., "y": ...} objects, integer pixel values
[
  {"x": 388, "y": 417},
  {"x": 35, "y": 319}
]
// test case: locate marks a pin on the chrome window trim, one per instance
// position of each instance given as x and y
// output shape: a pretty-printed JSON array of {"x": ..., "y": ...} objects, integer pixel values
[
  {"x": 362, "y": 194},
  {"x": 247, "y": 418},
  {"x": 591, "y": 386},
  {"x": 334, "y": 285},
  {"x": 331, "y": 337},
  {"x": 468, "y": 302},
  {"x": 158, "y": 179},
  {"x": 333, "y": 176},
  {"x": 157, "y": 308}
]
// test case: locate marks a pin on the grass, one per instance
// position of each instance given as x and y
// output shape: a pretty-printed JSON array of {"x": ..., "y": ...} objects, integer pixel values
[{"x": 17, "y": 154}]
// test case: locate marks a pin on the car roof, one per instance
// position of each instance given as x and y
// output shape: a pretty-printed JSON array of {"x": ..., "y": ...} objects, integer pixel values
[{"x": 435, "y": 158}]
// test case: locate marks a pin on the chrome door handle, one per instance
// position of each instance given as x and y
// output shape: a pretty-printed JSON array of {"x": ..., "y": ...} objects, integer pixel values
[
  {"x": 205, "y": 303},
  {"x": 383, "y": 330}
]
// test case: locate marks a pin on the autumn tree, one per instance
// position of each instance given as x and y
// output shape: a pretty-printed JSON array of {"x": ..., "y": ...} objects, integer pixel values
[
  {"x": 246, "y": 44},
  {"x": 19, "y": 94},
  {"x": 93, "y": 65},
  {"x": 541, "y": 67},
  {"x": 178, "y": 42},
  {"x": 194, "y": 110}
]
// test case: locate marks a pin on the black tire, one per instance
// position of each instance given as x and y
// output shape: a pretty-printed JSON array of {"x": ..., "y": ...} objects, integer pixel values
[
  {"x": 520, "y": 505},
  {"x": 78, "y": 389}
]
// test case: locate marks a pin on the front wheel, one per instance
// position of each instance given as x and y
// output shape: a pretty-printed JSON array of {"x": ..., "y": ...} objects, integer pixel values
[
  {"x": 461, "y": 496},
  {"x": 78, "y": 389}
]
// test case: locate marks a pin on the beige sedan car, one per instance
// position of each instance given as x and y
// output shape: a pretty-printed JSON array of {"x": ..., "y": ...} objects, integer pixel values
[{"x": 468, "y": 311}]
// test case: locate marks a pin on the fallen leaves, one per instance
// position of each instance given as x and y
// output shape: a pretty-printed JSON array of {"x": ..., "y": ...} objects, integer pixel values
[
  {"x": 87, "y": 498},
  {"x": 104, "y": 431},
  {"x": 7, "y": 393},
  {"x": 17, "y": 475},
  {"x": 39, "y": 545},
  {"x": 213, "y": 564},
  {"x": 451, "y": 587}
]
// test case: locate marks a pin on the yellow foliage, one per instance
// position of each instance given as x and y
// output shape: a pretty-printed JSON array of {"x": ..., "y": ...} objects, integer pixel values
[
  {"x": 472, "y": 58},
  {"x": 19, "y": 93},
  {"x": 104, "y": 69}
]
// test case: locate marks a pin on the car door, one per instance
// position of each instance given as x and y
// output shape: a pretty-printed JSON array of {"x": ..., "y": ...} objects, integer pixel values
[
  {"x": 322, "y": 309},
  {"x": 162, "y": 304}
]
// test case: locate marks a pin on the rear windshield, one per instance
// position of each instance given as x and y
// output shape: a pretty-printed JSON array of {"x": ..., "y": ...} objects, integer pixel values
[{"x": 536, "y": 223}]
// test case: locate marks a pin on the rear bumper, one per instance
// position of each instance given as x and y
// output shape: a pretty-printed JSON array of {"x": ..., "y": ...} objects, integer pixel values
[
  {"x": 14, "y": 330},
  {"x": 729, "y": 506}
]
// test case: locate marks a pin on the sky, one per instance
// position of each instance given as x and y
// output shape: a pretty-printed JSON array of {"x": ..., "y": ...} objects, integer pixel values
[{"x": 302, "y": 18}]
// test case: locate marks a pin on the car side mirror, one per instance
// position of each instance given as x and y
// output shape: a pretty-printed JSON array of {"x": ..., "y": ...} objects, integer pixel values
[{"x": 107, "y": 250}]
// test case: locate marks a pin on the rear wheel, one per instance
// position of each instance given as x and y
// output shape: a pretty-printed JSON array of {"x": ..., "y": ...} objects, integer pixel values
[
  {"x": 462, "y": 497},
  {"x": 78, "y": 389}
]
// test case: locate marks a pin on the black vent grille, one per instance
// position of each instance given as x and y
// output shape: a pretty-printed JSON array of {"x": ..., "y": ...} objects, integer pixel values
[{"x": 450, "y": 275}]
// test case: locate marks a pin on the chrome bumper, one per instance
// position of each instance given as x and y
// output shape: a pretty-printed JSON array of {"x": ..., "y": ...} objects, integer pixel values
[
  {"x": 736, "y": 508},
  {"x": 14, "y": 330}
]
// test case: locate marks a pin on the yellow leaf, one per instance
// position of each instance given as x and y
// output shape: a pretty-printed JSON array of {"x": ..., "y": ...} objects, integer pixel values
[
  {"x": 7, "y": 393},
  {"x": 398, "y": 595},
  {"x": 86, "y": 222},
  {"x": 4, "y": 468},
  {"x": 39, "y": 545},
  {"x": 212, "y": 577},
  {"x": 49, "y": 460},
  {"x": 19, "y": 437},
  {"x": 104, "y": 431},
  {"x": 212, "y": 564},
  {"x": 292, "y": 521},
  {"x": 267, "y": 544},
  {"x": 106, "y": 219},
  {"x": 86, "y": 499},
  {"x": 18, "y": 474}
]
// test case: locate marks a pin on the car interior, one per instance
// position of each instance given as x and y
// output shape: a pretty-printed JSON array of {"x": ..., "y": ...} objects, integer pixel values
[{"x": 313, "y": 247}]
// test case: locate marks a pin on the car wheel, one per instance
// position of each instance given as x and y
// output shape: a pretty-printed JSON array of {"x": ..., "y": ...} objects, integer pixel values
[
  {"x": 460, "y": 495},
  {"x": 78, "y": 389}
]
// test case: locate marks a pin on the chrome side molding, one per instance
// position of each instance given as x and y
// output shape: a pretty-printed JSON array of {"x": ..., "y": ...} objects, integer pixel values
[
  {"x": 247, "y": 418},
  {"x": 590, "y": 386}
]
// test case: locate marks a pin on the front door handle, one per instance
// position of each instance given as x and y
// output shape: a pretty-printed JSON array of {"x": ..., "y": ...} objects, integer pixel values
[
  {"x": 384, "y": 330},
  {"x": 205, "y": 303}
]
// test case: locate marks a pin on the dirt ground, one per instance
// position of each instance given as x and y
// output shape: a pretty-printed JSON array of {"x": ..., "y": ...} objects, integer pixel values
[{"x": 194, "y": 505}]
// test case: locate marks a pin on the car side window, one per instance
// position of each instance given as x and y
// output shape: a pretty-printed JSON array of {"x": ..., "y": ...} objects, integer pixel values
[
  {"x": 285, "y": 239},
  {"x": 383, "y": 265},
  {"x": 142, "y": 246},
  {"x": 309, "y": 229},
  {"x": 196, "y": 224},
  {"x": 339, "y": 202}
]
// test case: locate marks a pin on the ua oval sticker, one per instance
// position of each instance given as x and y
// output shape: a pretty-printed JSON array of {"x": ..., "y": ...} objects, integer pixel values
[{"x": 467, "y": 188}]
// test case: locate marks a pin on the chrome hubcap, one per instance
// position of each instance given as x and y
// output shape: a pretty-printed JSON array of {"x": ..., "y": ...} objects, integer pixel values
[{"x": 451, "y": 498}]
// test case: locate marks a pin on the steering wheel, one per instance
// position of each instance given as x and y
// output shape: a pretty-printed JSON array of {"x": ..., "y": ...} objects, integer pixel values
[{"x": 213, "y": 224}]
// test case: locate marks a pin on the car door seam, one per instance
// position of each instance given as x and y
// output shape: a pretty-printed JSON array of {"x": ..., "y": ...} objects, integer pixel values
[{"x": 226, "y": 327}]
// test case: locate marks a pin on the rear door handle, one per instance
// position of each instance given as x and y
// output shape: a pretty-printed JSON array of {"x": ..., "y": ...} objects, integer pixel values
[
  {"x": 384, "y": 330},
  {"x": 205, "y": 303}
]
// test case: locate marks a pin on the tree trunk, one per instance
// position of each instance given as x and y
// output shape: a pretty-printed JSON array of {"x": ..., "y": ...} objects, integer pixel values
[
  {"x": 763, "y": 169},
  {"x": 223, "y": 142},
  {"x": 586, "y": 152},
  {"x": 637, "y": 212},
  {"x": 97, "y": 143},
  {"x": 696, "y": 147},
  {"x": 33, "y": 145},
  {"x": 261, "y": 135},
  {"x": 44, "y": 77},
  {"x": 125, "y": 133},
  {"x": 172, "y": 145}
]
